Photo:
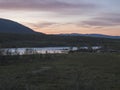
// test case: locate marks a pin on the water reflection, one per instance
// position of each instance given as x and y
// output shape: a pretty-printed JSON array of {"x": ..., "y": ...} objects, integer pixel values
[{"x": 43, "y": 50}]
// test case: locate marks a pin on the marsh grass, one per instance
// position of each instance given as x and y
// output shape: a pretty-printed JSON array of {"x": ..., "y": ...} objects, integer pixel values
[{"x": 78, "y": 71}]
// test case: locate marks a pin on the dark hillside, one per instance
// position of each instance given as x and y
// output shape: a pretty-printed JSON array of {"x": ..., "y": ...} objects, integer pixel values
[
  {"x": 8, "y": 26},
  {"x": 13, "y": 34},
  {"x": 41, "y": 40}
]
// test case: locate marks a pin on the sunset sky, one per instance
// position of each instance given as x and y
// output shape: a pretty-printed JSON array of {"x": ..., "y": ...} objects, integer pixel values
[{"x": 65, "y": 16}]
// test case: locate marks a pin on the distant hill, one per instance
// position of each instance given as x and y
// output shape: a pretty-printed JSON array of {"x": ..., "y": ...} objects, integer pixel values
[
  {"x": 91, "y": 35},
  {"x": 8, "y": 26},
  {"x": 13, "y": 34},
  {"x": 13, "y": 40}
]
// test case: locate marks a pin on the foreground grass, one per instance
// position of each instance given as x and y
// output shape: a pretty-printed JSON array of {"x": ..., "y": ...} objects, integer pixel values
[{"x": 79, "y": 71}]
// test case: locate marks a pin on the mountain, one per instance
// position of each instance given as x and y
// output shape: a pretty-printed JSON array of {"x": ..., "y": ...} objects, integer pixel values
[
  {"x": 8, "y": 26},
  {"x": 91, "y": 35}
]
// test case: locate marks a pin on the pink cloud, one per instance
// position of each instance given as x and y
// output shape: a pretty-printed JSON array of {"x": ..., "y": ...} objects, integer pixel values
[{"x": 46, "y": 5}]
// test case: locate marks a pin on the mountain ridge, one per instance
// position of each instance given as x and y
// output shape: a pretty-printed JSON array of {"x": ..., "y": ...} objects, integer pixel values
[
  {"x": 91, "y": 35},
  {"x": 9, "y": 26}
]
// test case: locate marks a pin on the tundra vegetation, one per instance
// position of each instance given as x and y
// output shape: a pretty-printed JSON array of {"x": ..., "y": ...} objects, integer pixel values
[
  {"x": 8, "y": 40},
  {"x": 74, "y": 71},
  {"x": 71, "y": 71}
]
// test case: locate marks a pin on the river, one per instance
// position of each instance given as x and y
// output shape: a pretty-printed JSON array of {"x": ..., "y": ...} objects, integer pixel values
[{"x": 41, "y": 50}]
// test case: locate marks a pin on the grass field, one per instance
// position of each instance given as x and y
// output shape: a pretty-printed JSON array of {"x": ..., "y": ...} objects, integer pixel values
[{"x": 78, "y": 71}]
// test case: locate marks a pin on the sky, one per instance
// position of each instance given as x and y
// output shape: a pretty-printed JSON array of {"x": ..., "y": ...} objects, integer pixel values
[{"x": 65, "y": 16}]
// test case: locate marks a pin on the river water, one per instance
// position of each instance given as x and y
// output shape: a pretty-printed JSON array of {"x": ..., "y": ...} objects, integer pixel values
[{"x": 42, "y": 50}]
